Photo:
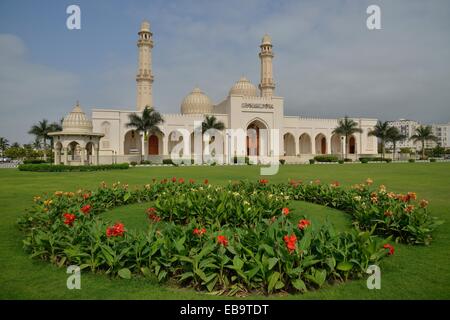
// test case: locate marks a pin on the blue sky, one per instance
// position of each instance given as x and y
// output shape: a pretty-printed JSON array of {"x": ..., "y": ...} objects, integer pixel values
[{"x": 327, "y": 63}]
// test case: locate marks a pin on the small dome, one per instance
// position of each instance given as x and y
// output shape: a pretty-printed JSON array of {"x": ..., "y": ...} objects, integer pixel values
[
  {"x": 266, "y": 39},
  {"x": 244, "y": 87},
  {"x": 76, "y": 121},
  {"x": 196, "y": 102}
]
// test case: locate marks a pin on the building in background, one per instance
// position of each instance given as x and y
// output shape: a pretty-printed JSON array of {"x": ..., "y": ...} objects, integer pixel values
[{"x": 407, "y": 128}]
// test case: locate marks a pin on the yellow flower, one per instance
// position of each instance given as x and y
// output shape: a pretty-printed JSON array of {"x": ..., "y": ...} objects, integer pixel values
[
  {"x": 59, "y": 193},
  {"x": 36, "y": 198},
  {"x": 369, "y": 181}
]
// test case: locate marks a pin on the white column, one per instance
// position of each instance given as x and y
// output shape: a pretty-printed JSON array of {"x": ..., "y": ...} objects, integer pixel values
[{"x": 66, "y": 155}]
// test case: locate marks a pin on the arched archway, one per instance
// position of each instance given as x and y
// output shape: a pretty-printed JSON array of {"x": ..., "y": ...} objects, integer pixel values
[
  {"x": 132, "y": 142},
  {"x": 321, "y": 144},
  {"x": 256, "y": 141},
  {"x": 153, "y": 145},
  {"x": 289, "y": 144},
  {"x": 305, "y": 144},
  {"x": 74, "y": 151},
  {"x": 336, "y": 144},
  {"x": 89, "y": 152},
  {"x": 352, "y": 145}
]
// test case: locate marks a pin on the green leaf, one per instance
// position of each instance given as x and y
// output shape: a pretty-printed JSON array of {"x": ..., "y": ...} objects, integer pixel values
[
  {"x": 238, "y": 263},
  {"x": 272, "y": 262},
  {"x": 125, "y": 273},
  {"x": 299, "y": 285},
  {"x": 273, "y": 279},
  {"x": 344, "y": 266}
]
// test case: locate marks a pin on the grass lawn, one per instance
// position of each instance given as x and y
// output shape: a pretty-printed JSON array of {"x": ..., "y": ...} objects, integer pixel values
[{"x": 414, "y": 272}]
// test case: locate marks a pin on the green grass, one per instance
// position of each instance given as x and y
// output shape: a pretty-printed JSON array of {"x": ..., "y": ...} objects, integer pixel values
[{"x": 414, "y": 272}]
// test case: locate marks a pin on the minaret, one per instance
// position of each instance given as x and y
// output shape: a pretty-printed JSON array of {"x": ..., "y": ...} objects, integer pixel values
[
  {"x": 144, "y": 77},
  {"x": 267, "y": 85}
]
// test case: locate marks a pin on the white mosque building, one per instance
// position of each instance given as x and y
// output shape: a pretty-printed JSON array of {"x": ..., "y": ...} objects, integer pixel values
[{"x": 107, "y": 138}]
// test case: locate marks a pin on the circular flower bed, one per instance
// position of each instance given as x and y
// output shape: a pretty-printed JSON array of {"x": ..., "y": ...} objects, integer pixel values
[{"x": 226, "y": 239}]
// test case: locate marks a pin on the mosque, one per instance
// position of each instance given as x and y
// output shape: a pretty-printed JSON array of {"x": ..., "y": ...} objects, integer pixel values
[{"x": 247, "y": 108}]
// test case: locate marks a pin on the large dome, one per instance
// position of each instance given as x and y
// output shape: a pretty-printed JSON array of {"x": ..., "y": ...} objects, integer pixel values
[
  {"x": 244, "y": 87},
  {"x": 76, "y": 121},
  {"x": 196, "y": 103}
]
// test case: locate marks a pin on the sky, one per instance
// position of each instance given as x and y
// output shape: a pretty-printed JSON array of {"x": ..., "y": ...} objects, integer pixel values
[{"x": 327, "y": 62}]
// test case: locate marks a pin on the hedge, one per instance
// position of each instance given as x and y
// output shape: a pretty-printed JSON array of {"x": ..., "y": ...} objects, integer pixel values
[
  {"x": 326, "y": 158},
  {"x": 379, "y": 159},
  {"x": 63, "y": 168},
  {"x": 34, "y": 161}
]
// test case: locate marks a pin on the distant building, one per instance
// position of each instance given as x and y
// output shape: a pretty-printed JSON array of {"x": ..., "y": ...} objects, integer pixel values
[
  {"x": 407, "y": 128},
  {"x": 442, "y": 132}
]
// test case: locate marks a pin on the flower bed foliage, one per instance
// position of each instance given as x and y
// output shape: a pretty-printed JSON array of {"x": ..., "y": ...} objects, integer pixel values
[
  {"x": 225, "y": 239},
  {"x": 45, "y": 167}
]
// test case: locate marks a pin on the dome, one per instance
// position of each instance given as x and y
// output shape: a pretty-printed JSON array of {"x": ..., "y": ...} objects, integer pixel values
[
  {"x": 266, "y": 39},
  {"x": 244, "y": 87},
  {"x": 145, "y": 26},
  {"x": 76, "y": 121},
  {"x": 196, "y": 102}
]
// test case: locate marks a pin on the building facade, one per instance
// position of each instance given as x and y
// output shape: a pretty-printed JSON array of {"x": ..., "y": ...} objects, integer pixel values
[
  {"x": 257, "y": 112},
  {"x": 408, "y": 129}
]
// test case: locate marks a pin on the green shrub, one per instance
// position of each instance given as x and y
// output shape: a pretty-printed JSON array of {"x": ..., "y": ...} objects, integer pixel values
[
  {"x": 133, "y": 163},
  {"x": 326, "y": 158},
  {"x": 34, "y": 161},
  {"x": 411, "y": 160},
  {"x": 364, "y": 160},
  {"x": 63, "y": 168},
  {"x": 388, "y": 160},
  {"x": 432, "y": 160},
  {"x": 348, "y": 160},
  {"x": 312, "y": 161},
  {"x": 341, "y": 161},
  {"x": 167, "y": 161},
  {"x": 282, "y": 161},
  {"x": 146, "y": 162}
]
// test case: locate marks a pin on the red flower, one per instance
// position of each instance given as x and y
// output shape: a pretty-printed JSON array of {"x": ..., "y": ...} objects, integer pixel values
[
  {"x": 116, "y": 230},
  {"x": 263, "y": 181},
  {"x": 191, "y": 181},
  {"x": 151, "y": 212},
  {"x": 390, "y": 247},
  {"x": 303, "y": 224},
  {"x": 181, "y": 180},
  {"x": 199, "y": 232},
  {"x": 69, "y": 218},
  {"x": 206, "y": 181},
  {"x": 163, "y": 181},
  {"x": 174, "y": 179},
  {"x": 86, "y": 209},
  {"x": 388, "y": 213},
  {"x": 86, "y": 196},
  {"x": 222, "y": 240},
  {"x": 409, "y": 208},
  {"x": 290, "y": 242},
  {"x": 335, "y": 184},
  {"x": 285, "y": 211}
]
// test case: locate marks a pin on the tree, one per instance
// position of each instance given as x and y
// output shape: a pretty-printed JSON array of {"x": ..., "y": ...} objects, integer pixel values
[
  {"x": 146, "y": 123},
  {"x": 211, "y": 122},
  {"x": 41, "y": 131},
  {"x": 4, "y": 144},
  {"x": 394, "y": 136},
  {"x": 380, "y": 130},
  {"x": 423, "y": 134},
  {"x": 346, "y": 127}
]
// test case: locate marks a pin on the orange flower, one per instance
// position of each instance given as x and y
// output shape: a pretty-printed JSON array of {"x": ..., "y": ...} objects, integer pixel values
[
  {"x": 412, "y": 196},
  {"x": 423, "y": 203},
  {"x": 388, "y": 213},
  {"x": 303, "y": 224},
  {"x": 369, "y": 181},
  {"x": 285, "y": 211},
  {"x": 335, "y": 184},
  {"x": 409, "y": 208}
]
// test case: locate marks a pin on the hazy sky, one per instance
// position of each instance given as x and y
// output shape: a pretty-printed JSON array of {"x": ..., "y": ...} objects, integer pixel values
[{"x": 327, "y": 63}]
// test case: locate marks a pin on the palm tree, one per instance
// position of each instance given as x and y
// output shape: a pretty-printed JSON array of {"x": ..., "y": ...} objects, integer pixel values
[
  {"x": 346, "y": 127},
  {"x": 394, "y": 136},
  {"x": 211, "y": 122},
  {"x": 41, "y": 131},
  {"x": 4, "y": 144},
  {"x": 423, "y": 134},
  {"x": 145, "y": 124},
  {"x": 380, "y": 130}
]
